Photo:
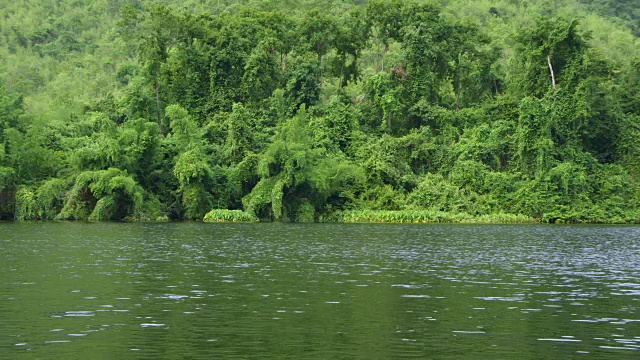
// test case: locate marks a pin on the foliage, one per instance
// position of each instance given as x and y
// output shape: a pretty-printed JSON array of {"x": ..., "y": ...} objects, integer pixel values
[
  {"x": 427, "y": 216},
  {"x": 224, "y": 215},
  {"x": 103, "y": 195},
  {"x": 384, "y": 110}
]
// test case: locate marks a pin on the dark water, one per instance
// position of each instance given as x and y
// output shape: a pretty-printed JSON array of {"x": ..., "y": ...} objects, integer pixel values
[{"x": 200, "y": 291}]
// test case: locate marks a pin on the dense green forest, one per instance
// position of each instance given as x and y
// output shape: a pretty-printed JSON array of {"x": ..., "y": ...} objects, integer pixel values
[{"x": 320, "y": 110}]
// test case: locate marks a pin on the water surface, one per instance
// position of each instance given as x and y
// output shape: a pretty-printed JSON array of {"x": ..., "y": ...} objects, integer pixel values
[{"x": 193, "y": 290}]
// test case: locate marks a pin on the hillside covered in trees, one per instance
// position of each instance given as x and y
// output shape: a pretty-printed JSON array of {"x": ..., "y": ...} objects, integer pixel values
[{"x": 320, "y": 110}]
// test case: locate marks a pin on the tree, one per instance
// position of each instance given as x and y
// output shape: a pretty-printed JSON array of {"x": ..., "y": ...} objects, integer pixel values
[
  {"x": 386, "y": 19},
  {"x": 192, "y": 166},
  {"x": 544, "y": 48},
  {"x": 155, "y": 32}
]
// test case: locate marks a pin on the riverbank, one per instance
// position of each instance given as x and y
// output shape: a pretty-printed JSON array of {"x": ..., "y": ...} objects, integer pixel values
[
  {"x": 426, "y": 216},
  {"x": 388, "y": 216}
]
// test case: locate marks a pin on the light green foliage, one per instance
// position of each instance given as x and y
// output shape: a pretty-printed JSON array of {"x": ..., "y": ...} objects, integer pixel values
[
  {"x": 186, "y": 133},
  {"x": 435, "y": 193},
  {"x": 240, "y": 132},
  {"x": 196, "y": 200},
  {"x": 43, "y": 203},
  {"x": 485, "y": 143},
  {"x": 51, "y": 198},
  {"x": 191, "y": 166},
  {"x": 241, "y": 176},
  {"x": 297, "y": 173},
  {"x": 100, "y": 143},
  {"x": 26, "y": 205},
  {"x": 224, "y": 215},
  {"x": 427, "y": 216},
  {"x": 104, "y": 210},
  {"x": 468, "y": 174},
  {"x": 260, "y": 197},
  {"x": 625, "y": 10},
  {"x": 383, "y": 160},
  {"x": 276, "y": 200},
  {"x": 385, "y": 110},
  {"x": 533, "y": 143}
]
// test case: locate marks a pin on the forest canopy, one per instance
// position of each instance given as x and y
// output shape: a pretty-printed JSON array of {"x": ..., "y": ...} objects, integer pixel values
[{"x": 320, "y": 110}]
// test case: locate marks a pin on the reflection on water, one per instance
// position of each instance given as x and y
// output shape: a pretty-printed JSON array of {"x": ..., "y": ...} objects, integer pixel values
[{"x": 190, "y": 290}]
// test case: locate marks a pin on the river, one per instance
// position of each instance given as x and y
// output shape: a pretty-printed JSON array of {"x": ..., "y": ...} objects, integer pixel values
[{"x": 270, "y": 290}]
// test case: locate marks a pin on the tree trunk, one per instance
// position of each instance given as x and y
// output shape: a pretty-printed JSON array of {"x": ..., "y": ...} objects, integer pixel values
[
  {"x": 160, "y": 121},
  {"x": 459, "y": 79},
  {"x": 384, "y": 53},
  {"x": 389, "y": 123},
  {"x": 553, "y": 78},
  {"x": 322, "y": 79}
]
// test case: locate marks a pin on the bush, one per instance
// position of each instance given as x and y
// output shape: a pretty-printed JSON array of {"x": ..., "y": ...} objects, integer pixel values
[
  {"x": 305, "y": 212},
  {"x": 103, "y": 195},
  {"x": 224, "y": 215},
  {"x": 27, "y": 207},
  {"x": 51, "y": 198}
]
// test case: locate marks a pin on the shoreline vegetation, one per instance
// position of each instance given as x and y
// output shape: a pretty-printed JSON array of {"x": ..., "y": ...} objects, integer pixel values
[
  {"x": 387, "y": 216},
  {"x": 394, "y": 111},
  {"x": 381, "y": 217},
  {"x": 423, "y": 216},
  {"x": 224, "y": 215}
]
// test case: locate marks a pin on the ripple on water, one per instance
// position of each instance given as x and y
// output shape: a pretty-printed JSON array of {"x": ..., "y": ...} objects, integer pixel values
[
  {"x": 151, "y": 325},
  {"x": 538, "y": 272},
  {"x": 172, "y": 297},
  {"x": 79, "y": 313},
  {"x": 617, "y": 348},
  {"x": 499, "y": 298}
]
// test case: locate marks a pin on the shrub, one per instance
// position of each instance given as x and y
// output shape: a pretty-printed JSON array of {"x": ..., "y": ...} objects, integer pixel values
[{"x": 224, "y": 215}]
